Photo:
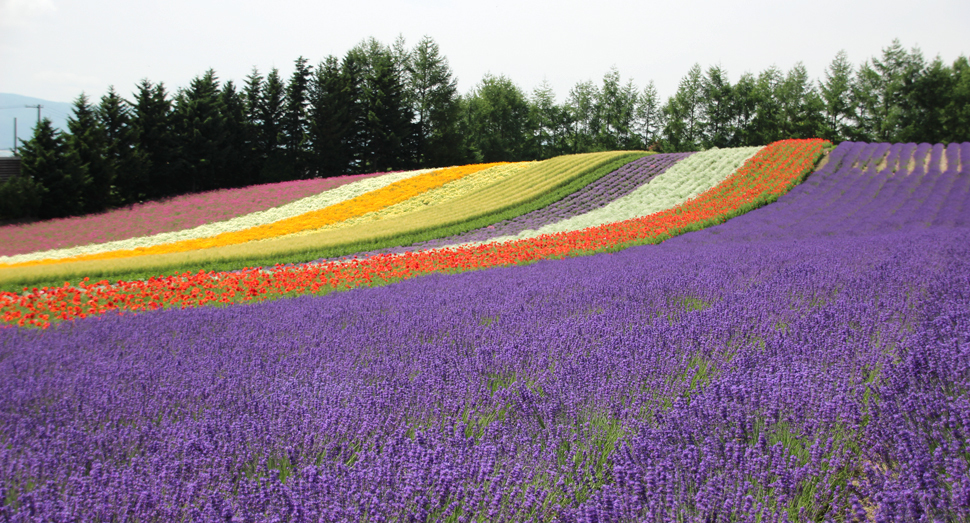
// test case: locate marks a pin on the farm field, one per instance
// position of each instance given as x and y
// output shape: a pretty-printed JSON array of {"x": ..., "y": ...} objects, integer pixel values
[{"x": 770, "y": 349}]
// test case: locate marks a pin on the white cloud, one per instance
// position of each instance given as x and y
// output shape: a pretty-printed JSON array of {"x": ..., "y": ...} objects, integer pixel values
[{"x": 18, "y": 12}]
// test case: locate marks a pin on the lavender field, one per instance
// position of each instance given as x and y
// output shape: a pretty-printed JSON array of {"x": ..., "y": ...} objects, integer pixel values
[{"x": 807, "y": 361}]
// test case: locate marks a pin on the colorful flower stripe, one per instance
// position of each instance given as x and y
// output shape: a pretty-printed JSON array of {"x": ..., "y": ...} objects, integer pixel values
[
  {"x": 369, "y": 202},
  {"x": 176, "y": 214},
  {"x": 310, "y": 203},
  {"x": 601, "y": 192},
  {"x": 771, "y": 172},
  {"x": 437, "y": 196},
  {"x": 684, "y": 180}
]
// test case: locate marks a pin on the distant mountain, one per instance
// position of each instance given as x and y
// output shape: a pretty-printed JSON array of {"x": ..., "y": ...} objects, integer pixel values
[{"x": 13, "y": 106}]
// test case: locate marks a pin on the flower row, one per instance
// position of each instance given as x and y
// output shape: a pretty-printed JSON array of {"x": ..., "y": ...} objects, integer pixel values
[
  {"x": 292, "y": 209},
  {"x": 769, "y": 173},
  {"x": 176, "y": 214}
]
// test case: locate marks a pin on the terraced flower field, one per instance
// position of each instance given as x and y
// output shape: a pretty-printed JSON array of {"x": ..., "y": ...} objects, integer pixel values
[{"x": 792, "y": 351}]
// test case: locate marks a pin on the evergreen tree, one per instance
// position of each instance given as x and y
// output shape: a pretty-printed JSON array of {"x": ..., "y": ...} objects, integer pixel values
[
  {"x": 497, "y": 114},
  {"x": 153, "y": 121},
  {"x": 683, "y": 114},
  {"x": 354, "y": 70},
  {"x": 88, "y": 141},
  {"x": 769, "y": 119},
  {"x": 294, "y": 123},
  {"x": 239, "y": 169},
  {"x": 328, "y": 120},
  {"x": 880, "y": 93},
  {"x": 201, "y": 129},
  {"x": 270, "y": 131},
  {"x": 584, "y": 114},
  {"x": 434, "y": 103},
  {"x": 649, "y": 121},
  {"x": 123, "y": 154},
  {"x": 957, "y": 112},
  {"x": 801, "y": 106},
  {"x": 744, "y": 108},
  {"x": 252, "y": 96},
  {"x": 388, "y": 117},
  {"x": 718, "y": 110},
  {"x": 839, "y": 110},
  {"x": 57, "y": 171},
  {"x": 617, "y": 106},
  {"x": 549, "y": 123}
]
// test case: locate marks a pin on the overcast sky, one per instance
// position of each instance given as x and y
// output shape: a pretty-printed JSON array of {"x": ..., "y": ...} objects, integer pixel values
[{"x": 55, "y": 49}]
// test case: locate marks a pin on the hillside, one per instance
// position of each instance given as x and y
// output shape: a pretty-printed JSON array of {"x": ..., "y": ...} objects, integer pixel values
[{"x": 729, "y": 335}]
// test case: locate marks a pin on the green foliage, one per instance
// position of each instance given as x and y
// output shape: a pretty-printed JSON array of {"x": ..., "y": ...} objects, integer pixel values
[
  {"x": 57, "y": 171},
  {"x": 20, "y": 198},
  {"x": 124, "y": 159},
  {"x": 496, "y": 114},
  {"x": 434, "y": 102},
  {"x": 88, "y": 141},
  {"x": 153, "y": 120},
  {"x": 389, "y": 107},
  {"x": 200, "y": 128}
]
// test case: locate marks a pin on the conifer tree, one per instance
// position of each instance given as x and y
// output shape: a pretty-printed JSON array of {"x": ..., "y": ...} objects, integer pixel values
[
  {"x": 434, "y": 103},
  {"x": 153, "y": 119},
  {"x": 123, "y": 154},
  {"x": 88, "y": 141},
  {"x": 294, "y": 121},
  {"x": 329, "y": 119},
  {"x": 57, "y": 171},
  {"x": 648, "y": 116},
  {"x": 202, "y": 135},
  {"x": 836, "y": 93},
  {"x": 718, "y": 96},
  {"x": 271, "y": 109},
  {"x": 239, "y": 169}
]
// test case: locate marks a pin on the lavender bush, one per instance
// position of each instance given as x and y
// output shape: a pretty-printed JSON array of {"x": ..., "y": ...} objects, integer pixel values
[{"x": 808, "y": 361}]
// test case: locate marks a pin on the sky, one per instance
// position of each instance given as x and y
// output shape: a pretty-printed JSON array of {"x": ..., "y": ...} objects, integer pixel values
[{"x": 55, "y": 49}]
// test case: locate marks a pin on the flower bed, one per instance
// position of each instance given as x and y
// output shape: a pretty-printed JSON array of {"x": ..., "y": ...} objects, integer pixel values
[
  {"x": 149, "y": 218},
  {"x": 770, "y": 173}
]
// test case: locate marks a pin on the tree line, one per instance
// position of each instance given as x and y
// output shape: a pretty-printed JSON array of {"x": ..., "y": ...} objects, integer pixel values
[{"x": 382, "y": 107}]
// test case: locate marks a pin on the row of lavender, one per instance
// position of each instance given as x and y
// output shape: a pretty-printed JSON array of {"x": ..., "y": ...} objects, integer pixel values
[
  {"x": 729, "y": 375},
  {"x": 609, "y": 188}
]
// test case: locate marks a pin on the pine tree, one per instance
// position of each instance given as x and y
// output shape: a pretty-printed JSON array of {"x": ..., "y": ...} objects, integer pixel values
[
  {"x": 837, "y": 98},
  {"x": 957, "y": 110},
  {"x": 718, "y": 96},
  {"x": 388, "y": 117},
  {"x": 584, "y": 113},
  {"x": 329, "y": 120},
  {"x": 801, "y": 105},
  {"x": 270, "y": 131},
  {"x": 683, "y": 114},
  {"x": 649, "y": 121},
  {"x": 88, "y": 141},
  {"x": 434, "y": 103},
  {"x": 252, "y": 99},
  {"x": 57, "y": 171},
  {"x": 239, "y": 169},
  {"x": 153, "y": 120},
  {"x": 550, "y": 127},
  {"x": 767, "y": 124},
  {"x": 617, "y": 106},
  {"x": 294, "y": 121},
  {"x": 745, "y": 106},
  {"x": 123, "y": 154},
  {"x": 202, "y": 135}
]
